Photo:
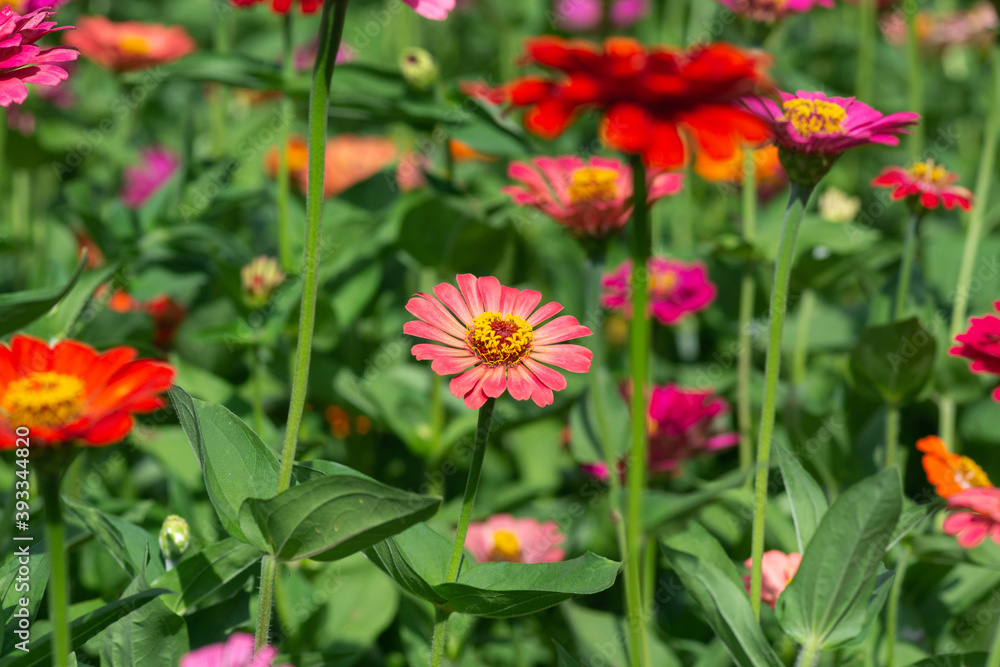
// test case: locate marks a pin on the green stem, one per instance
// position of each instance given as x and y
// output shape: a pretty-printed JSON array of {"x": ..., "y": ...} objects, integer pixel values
[
  {"x": 268, "y": 572},
  {"x": 800, "y": 356},
  {"x": 331, "y": 32},
  {"x": 649, "y": 578},
  {"x": 58, "y": 589},
  {"x": 258, "y": 390},
  {"x": 288, "y": 109},
  {"x": 772, "y": 369},
  {"x": 471, "y": 488},
  {"x": 868, "y": 14},
  {"x": 220, "y": 100},
  {"x": 916, "y": 84},
  {"x": 993, "y": 659},
  {"x": 892, "y": 615},
  {"x": 808, "y": 656},
  {"x": 891, "y": 434},
  {"x": 906, "y": 268},
  {"x": 748, "y": 290},
  {"x": 440, "y": 636},
  {"x": 972, "y": 238},
  {"x": 639, "y": 343}
]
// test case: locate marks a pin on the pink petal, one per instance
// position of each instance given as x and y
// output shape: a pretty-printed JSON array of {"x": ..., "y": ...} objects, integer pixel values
[
  {"x": 494, "y": 384},
  {"x": 520, "y": 383},
  {"x": 451, "y": 297},
  {"x": 526, "y": 302},
  {"x": 429, "y": 310},
  {"x": 469, "y": 285},
  {"x": 424, "y": 351},
  {"x": 562, "y": 328},
  {"x": 551, "y": 378},
  {"x": 489, "y": 289},
  {"x": 464, "y": 383},
  {"x": 424, "y": 330},
  {"x": 544, "y": 313}
]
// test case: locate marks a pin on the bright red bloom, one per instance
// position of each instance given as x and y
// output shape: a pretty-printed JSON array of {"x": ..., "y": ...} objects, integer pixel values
[
  {"x": 981, "y": 344},
  {"x": 652, "y": 101},
  {"x": 68, "y": 392},
  {"x": 926, "y": 184},
  {"x": 284, "y": 6}
]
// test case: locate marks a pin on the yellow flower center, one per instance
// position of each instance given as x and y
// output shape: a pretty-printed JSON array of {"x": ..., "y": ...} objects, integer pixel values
[
  {"x": 968, "y": 474},
  {"x": 43, "y": 399},
  {"x": 661, "y": 283},
  {"x": 593, "y": 184},
  {"x": 506, "y": 546},
  {"x": 929, "y": 172},
  {"x": 135, "y": 45},
  {"x": 500, "y": 340},
  {"x": 811, "y": 117}
]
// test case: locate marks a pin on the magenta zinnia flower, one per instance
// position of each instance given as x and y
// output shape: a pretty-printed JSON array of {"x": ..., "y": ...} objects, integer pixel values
[
  {"x": 497, "y": 331},
  {"x": 769, "y": 11},
  {"x": 925, "y": 184},
  {"x": 505, "y": 538},
  {"x": 676, "y": 289},
  {"x": 436, "y": 10},
  {"x": 971, "y": 528},
  {"x": 142, "y": 181},
  {"x": 981, "y": 344},
  {"x": 777, "y": 569},
  {"x": 237, "y": 651},
  {"x": 592, "y": 198},
  {"x": 21, "y": 61}
]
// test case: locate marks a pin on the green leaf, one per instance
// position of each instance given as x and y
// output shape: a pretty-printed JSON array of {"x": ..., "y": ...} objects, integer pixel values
[
  {"x": 661, "y": 507},
  {"x": 807, "y": 500},
  {"x": 872, "y": 606},
  {"x": 709, "y": 576},
  {"x": 19, "y": 309},
  {"x": 415, "y": 559},
  {"x": 236, "y": 463},
  {"x": 954, "y": 660},
  {"x": 126, "y": 542},
  {"x": 448, "y": 235},
  {"x": 83, "y": 629},
  {"x": 896, "y": 360},
  {"x": 564, "y": 658},
  {"x": 826, "y": 601},
  {"x": 911, "y": 518},
  {"x": 153, "y": 636},
  {"x": 200, "y": 576},
  {"x": 12, "y": 589},
  {"x": 58, "y": 321},
  {"x": 599, "y": 422},
  {"x": 336, "y": 516}
]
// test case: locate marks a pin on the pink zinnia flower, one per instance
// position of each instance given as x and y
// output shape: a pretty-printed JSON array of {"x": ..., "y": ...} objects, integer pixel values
[
  {"x": 436, "y": 10},
  {"x": 971, "y": 528},
  {"x": 237, "y": 651},
  {"x": 777, "y": 570},
  {"x": 579, "y": 15},
  {"x": 498, "y": 332},
  {"x": 145, "y": 179},
  {"x": 21, "y": 61},
  {"x": 129, "y": 45},
  {"x": 505, "y": 538},
  {"x": 626, "y": 13},
  {"x": 305, "y": 57},
  {"x": 925, "y": 184},
  {"x": 591, "y": 198},
  {"x": 981, "y": 344},
  {"x": 676, "y": 289},
  {"x": 769, "y": 11}
]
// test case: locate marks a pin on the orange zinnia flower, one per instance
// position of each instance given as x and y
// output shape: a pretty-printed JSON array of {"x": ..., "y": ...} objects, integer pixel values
[
  {"x": 129, "y": 45},
  {"x": 949, "y": 473},
  {"x": 68, "y": 392},
  {"x": 350, "y": 160}
]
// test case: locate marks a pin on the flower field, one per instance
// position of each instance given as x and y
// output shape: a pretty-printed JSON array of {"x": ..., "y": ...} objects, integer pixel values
[{"x": 506, "y": 333}]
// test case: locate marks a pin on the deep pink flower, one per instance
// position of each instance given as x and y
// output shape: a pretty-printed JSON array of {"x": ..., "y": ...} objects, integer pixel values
[
  {"x": 814, "y": 123},
  {"x": 676, "y": 289},
  {"x": 237, "y": 651},
  {"x": 971, "y": 528},
  {"x": 777, "y": 570},
  {"x": 591, "y": 198},
  {"x": 505, "y": 538},
  {"x": 143, "y": 180},
  {"x": 626, "y": 13},
  {"x": 926, "y": 184},
  {"x": 21, "y": 61},
  {"x": 981, "y": 344},
  {"x": 436, "y": 10},
  {"x": 498, "y": 332},
  {"x": 769, "y": 11},
  {"x": 579, "y": 15},
  {"x": 25, "y": 6}
]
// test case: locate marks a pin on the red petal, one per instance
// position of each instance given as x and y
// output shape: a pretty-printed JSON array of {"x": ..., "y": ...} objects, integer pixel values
[
  {"x": 626, "y": 127},
  {"x": 666, "y": 148}
]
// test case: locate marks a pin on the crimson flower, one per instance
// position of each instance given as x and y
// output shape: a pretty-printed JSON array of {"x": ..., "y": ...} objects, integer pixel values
[
  {"x": 925, "y": 184},
  {"x": 981, "y": 344}
]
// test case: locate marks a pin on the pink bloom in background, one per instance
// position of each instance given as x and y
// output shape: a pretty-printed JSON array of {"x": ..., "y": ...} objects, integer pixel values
[
  {"x": 411, "y": 171},
  {"x": 591, "y": 198},
  {"x": 585, "y": 15},
  {"x": 626, "y": 13},
  {"x": 777, "y": 570},
  {"x": 21, "y": 61},
  {"x": 676, "y": 289},
  {"x": 939, "y": 31},
  {"x": 143, "y": 180},
  {"x": 926, "y": 184},
  {"x": 237, "y": 651},
  {"x": 305, "y": 57},
  {"x": 981, "y": 344},
  {"x": 971, "y": 528},
  {"x": 495, "y": 338},
  {"x": 769, "y": 11},
  {"x": 129, "y": 45},
  {"x": 505, "y": 538},
  {"x": 436, "y": 10}
]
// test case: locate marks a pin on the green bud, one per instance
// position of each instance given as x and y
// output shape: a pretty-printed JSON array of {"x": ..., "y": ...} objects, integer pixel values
[
  {"x": 175, "y": 535},
  {"x": 419, "y": 68}
]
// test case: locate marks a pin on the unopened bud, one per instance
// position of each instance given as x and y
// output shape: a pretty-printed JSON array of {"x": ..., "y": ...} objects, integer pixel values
[
  {"x": 419, "y": 68},
  {"x": 260, "y": 278},
  {"x": 175, "y": 535}
]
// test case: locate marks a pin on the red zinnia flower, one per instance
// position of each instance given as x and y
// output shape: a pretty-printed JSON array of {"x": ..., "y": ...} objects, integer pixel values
[
  {"x": 925, "y": 184},
  {"x": 649, "y": 99},
  {"x": 284, "y": 6},
  {"x": 69, "y": 392},
  {"x": 981, "y": 344}
]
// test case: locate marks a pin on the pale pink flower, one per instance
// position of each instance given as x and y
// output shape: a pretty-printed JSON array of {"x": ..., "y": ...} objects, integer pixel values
[
  {"x": 591, "y": 198},
  {"x": 769, "y": 11},
  {"x": 777, "y": 570},
  {"x": 676, "y": 289},
  {"x": 971, "y": 528},
  {"x": 237, "y": 651},
  {"x": 145, "y": 179},
  {"x": 505, "y": 538},
  {"x": 21, "y": 61},
  {"x": 494, "y": 336},
  {"x": 436, "y": 10}
]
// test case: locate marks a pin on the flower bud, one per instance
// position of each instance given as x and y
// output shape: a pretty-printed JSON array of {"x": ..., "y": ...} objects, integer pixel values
[
  {"x": 175, "y": 535},
  {"x": 419, "y": 68},
  {"x": 260, "y": 278}
]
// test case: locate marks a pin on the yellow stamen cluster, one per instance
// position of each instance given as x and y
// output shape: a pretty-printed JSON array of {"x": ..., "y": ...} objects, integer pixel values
[
  {"x": 661, "y": 283},
  {"x": 500, "y": 340},
  {"x": 929, "y": 171},
  {"x": 593, "y": 184},
  {"x": 43, "y": 399},
  {"x": 968, "y": 474},
  {"x": 505, "y": 546},
  {"x": 811, "y": 117},
  {"x": 134, "y": 44}
]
